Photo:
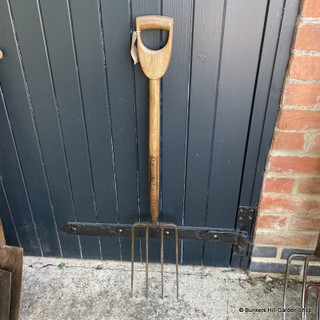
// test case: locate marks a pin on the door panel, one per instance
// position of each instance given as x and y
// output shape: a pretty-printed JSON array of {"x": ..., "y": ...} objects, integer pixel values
[{"x": 74, "y": 119}]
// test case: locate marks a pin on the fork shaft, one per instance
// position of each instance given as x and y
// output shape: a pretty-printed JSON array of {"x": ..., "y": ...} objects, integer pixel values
[{"x": 154, "y": 147}]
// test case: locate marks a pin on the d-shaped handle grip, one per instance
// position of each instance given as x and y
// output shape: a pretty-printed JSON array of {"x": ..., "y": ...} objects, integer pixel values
[
  {"x": 154, "y": 22},
  {"x": 154, "y": 63}
]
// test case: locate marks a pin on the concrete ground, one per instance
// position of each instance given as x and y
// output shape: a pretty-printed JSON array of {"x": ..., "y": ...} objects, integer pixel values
[{"x": 57, "y": 288}]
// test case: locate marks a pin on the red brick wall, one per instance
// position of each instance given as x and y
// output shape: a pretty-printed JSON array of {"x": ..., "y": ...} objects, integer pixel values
[{"x": 289, "y": 210}]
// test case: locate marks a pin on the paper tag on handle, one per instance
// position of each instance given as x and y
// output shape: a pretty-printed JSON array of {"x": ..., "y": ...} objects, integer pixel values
[{"x": 133, "y": 50}]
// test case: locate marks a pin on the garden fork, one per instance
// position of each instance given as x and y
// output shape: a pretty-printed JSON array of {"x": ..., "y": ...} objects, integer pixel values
[{"x": 154, "y": 64}]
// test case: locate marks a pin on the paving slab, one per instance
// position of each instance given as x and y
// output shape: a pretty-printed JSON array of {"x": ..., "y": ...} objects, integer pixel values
[{"x": 58, "y": 288}]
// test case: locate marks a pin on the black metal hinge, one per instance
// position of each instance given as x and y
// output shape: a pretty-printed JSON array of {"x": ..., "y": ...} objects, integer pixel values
[
  {"x": 245, "y": 219},
  {"x": 238, "y": 238}
]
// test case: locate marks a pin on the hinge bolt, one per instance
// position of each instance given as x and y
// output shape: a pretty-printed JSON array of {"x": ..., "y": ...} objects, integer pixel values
[
  {"x": 215, "y": 237},
  {"x": 73, "y": 229},
  {"x": 119, "y": 230}
]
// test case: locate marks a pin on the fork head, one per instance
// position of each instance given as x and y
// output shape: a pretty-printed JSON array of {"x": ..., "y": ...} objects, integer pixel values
[{"x": 162, "y": 226}]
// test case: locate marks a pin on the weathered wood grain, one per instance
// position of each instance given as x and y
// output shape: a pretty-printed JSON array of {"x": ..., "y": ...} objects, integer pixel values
[
  {"x": 11, "y": 261},
  {"x": 5, "y": 294}
]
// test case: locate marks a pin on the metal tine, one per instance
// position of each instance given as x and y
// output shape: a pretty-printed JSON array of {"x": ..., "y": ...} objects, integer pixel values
[
  {"x": 306, "y": 299},
  {"x": 304, "y": 280},
  {"x": 161, "y": 254},
  {"x": 317, "y": 307},
  {"x": 286, "y": 278},
  {"x": 308, "y": 289},
  {"x": 177, "y": 256},
  {"x": 177, "y": 252},
  {"x": 132, "y": 258},
  {"x": 172, "y": 225},
  {"x": 162, "y": 227},
  {"x": 147, "y": 259},
  {"x": 307, "y": 257},
  {"x": 290, "y": 257},
  {"x": 137, "y": 224},
  {"x": 307, "y": 292}
]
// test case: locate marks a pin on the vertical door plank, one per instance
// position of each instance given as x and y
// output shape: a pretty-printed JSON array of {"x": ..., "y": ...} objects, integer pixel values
[
  {"x": 46, "y": 118},
  {"x": 91, "y": 57},
  {"x": 208, "y": 24},
  {"x": 117, "y": 24},
  {"x": 283, "y": 51},
  {"x": 274, "y": 58},
  {"x": 273, "y": 25},
  {"x": 175, "y": 103},
  {"x": 236, "y": 87},
  {"x": 235, "y": 95},
  {"x": 20, "y": 115},
  {"x": 15, "y": 189},
  {"x": 217, "y": 255},
  {"x": 58, "y": 38},
  {"x": 9, "y": 226},
  {"x": 74, "y": 119}
]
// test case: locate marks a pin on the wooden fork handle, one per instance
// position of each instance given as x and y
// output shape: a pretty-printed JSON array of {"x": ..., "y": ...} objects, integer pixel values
[
  {"x": 154, "y": 63},
  {"x": 154, "y": 22},
  {"x": 154, "y": 147}
]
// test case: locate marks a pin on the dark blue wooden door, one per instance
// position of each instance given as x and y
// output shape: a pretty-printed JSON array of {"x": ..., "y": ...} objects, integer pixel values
[{"x": 74, "y": 118}]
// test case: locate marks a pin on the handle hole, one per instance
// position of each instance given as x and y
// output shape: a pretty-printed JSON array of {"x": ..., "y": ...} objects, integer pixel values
[{"x": 154, "y": 39}]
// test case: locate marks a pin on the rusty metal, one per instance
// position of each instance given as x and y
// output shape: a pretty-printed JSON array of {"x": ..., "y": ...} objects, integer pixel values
[
  {"x": 307, "y": 258},
  {"x": 307, "y": 291},
  {"x": 161, "y": 255},
  {"x": 162, "y": 226},
  {"x": 147, "y": 260}
]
